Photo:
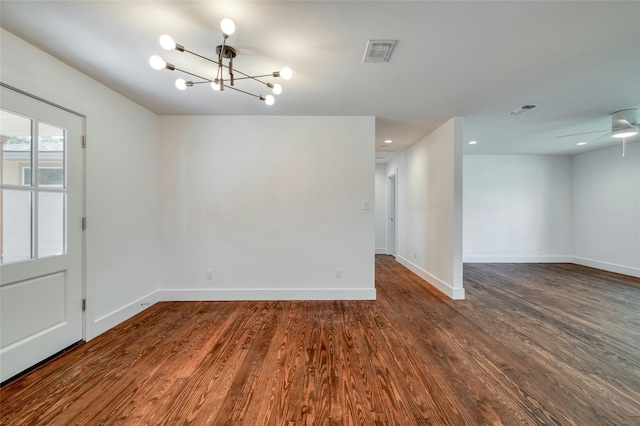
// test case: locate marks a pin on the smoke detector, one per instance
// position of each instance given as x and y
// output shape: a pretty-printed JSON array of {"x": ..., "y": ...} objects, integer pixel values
[{"x": 378, "y": 50}]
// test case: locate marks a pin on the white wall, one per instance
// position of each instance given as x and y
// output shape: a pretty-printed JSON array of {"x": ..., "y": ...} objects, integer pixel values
[
  {"x": 429, "y": 207},
  {"x": 583, "y": 209},
  {"x": 517, "y": 208},
  {"x": 121, "y": 181},
  {"x": 381, "y": 207},
  {"x": 606, "y": 209},
  {"x": 272, "y": 205}
]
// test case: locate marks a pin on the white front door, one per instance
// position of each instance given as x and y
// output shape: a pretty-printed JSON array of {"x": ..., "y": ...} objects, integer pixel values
[{"x": 41, "y": 287}]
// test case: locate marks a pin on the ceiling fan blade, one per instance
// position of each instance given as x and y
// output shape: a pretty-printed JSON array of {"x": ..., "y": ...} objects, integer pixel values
[
  {"x": 583, "y": 133},
  {"x": 606, "y": 135},
  {"x": 624, "y": 122}
]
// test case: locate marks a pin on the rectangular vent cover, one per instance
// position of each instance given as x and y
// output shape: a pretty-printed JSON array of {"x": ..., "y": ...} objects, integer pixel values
[{"x": 378, "y": 50}]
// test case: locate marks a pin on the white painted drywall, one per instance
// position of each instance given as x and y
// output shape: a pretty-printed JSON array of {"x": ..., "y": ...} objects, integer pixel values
[
  {"x": 517, "y": 208},
  {"x": 606, "y": 209},
  {"x": 381, "y": 213},
  {"x": 429, "y": 207},
  {"x": 273, "y": 206},
  {"x": 121, "y": 181}
]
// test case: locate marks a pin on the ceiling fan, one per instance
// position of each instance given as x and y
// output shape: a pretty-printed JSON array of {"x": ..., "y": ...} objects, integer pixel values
[{"x": 624, "y": 125}]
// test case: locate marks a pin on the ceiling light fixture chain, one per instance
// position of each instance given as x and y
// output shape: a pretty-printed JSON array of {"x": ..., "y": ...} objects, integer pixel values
[{"x": 223, "y": 51}]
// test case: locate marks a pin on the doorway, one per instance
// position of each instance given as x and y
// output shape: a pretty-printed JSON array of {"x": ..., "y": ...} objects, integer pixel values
[
  {"x": 41, "y": 226},
  {"x": 392, "y": 242}
]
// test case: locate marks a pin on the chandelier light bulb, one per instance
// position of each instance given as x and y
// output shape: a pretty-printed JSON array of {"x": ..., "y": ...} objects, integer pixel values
[
  {"x": 286, "y": 73},
  {"x": 269, "y": 100},
  {"x": 156, "y": 62},
  {"x": 276, "y": 89},
  {"x": 167, "y": 43},
  {"x": 181, "y": 84},
  {"x": 227, "y": 26},
  {"x": 215, "y": 85}
]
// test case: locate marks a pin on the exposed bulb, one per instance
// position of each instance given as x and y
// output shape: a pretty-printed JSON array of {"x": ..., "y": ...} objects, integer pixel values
[
  {"x": 167, "y": 43},
  {"x": 269, "y": 100},
  {"x": 276, "y": 89},
  {"x": 215, "y": 85},
  {"x": 156, "y": 62},
  {"x": 181, "y": 84},
  {"x": 227, "y": 26},
  {"x": 286, "y": 73}
]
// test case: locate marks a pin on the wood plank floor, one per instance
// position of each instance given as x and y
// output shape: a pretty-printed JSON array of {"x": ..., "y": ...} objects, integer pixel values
[{"x": 532, "y": 344}]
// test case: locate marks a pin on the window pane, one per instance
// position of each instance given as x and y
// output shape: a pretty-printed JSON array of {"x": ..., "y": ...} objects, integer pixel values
[
  {"x": 50, "y": 155},
  {"x": 16, "y": 225},
  {"x": 15, "y": 133},
  {"x": 51, "y": 221}
]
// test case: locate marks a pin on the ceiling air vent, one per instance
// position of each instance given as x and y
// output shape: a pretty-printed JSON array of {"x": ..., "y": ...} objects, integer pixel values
[{"x": 378, "y": 50}]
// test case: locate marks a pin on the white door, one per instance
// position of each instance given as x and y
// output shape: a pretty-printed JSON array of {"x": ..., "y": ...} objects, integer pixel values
[{"x": 41, "y": 193}]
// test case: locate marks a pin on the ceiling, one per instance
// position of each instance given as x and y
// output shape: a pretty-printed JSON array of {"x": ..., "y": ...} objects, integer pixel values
[{"x": 576, "y": 61}]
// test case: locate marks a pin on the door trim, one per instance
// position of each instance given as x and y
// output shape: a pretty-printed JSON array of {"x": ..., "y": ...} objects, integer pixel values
[{"x": 38, "y": 98}]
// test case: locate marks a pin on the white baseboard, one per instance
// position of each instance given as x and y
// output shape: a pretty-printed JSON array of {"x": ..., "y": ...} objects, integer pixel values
[
  {"x": 266, "y": 294},
  {"x": 453, "y": 293},
  {"x": 110, "y": 320},
  {"x": 118, "y": 316},
  {"x": 382, "y": 250},
  {"x": 611, "y": 267},
  {"x": 518, "y": 259}
]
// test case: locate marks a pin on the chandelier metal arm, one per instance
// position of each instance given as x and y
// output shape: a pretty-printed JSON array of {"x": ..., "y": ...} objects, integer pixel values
[
  {"x": 192, "y": 74},
  {"x": 220, "y": 75},
  {"x": 253, "y": 77},
  {"x": 206, "y": 80},
  {"x": 203, "y": 57},
  {"x": 246, "y": 93},
  {"x": 247, "y": 76},
  {"x": 231, "y": 69}
]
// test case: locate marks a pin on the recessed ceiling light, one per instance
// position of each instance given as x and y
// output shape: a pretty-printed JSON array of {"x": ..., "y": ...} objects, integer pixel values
[
  {"x": 388, "y": 141},
  {"x": 473, "y": 142},
  {"x": 581, "y": 143}
]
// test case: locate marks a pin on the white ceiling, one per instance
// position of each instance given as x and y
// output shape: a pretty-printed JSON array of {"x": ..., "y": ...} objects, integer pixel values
[{"x": 577, "y": 61}]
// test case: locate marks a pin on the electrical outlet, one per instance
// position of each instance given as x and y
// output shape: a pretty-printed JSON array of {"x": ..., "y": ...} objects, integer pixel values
[
  {"x": 338, "y": 274},
  {"x": 210, "y": 274}
]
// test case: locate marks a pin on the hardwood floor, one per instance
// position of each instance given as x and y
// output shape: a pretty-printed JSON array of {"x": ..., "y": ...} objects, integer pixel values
[{"x": 532, "y": 344}]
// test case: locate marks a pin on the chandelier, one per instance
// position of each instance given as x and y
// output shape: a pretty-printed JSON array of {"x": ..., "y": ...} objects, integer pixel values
[{"x": 225, "y": 77}]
